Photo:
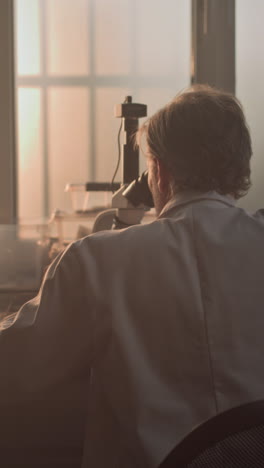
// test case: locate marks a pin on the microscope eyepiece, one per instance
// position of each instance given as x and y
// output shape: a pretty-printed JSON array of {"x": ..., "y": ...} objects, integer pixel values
[{"x": 138, "y": 191}]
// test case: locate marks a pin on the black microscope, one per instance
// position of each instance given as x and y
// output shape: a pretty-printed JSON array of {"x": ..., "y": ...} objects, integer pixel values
[{"x": 132, "y": 198}]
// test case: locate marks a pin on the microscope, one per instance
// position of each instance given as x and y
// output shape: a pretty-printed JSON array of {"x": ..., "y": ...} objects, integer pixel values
[{"x": 132, "y": 198}]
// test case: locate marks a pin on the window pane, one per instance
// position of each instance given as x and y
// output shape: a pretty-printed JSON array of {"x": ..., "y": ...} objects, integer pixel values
[
  {"x": 30, "y": 154},
  {"x": 109, "y": 49},
  {"x": 68, "y": 137},
  {"x": 249, "y": 83},
  {"x": 112, "y": 24},
  {"x": 67, "y": 37},
  {"x": 28, "y": 37}
]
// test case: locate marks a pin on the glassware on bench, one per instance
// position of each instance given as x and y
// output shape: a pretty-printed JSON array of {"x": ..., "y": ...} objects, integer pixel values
[{"x": 85, "y": 200}]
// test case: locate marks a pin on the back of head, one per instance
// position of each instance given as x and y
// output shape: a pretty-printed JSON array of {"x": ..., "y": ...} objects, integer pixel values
[{"x": 203, "y": 139}]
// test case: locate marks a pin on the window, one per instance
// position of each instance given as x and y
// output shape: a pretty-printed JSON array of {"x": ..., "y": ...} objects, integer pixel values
[{"x": 74, "y": 61}]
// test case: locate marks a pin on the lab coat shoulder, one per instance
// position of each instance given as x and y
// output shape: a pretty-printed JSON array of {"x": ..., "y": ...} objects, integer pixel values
[
  {"x": 110, "y": 247},
  {"x": 131, "y": 266}
]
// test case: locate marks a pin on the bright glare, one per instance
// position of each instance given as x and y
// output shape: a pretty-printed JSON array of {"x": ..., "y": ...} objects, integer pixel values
[
  {"x": 28, "y": 124},
  {"x": 30, "y": 142},
  {"x": 28, "y": 37}
]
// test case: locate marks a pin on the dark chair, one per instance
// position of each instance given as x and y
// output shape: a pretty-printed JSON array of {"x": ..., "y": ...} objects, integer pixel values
[{"x": 232, "y": 439}]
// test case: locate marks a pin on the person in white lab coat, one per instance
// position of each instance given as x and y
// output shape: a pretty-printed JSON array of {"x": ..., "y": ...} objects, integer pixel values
[{"x": 157, "y": 327}]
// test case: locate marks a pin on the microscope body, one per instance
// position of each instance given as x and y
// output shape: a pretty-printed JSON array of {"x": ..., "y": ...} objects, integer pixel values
[{"x": 127, "y": 208}]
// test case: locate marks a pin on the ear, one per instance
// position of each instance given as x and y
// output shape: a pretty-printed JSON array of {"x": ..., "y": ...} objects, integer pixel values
[{"x": 163, "y": 177}]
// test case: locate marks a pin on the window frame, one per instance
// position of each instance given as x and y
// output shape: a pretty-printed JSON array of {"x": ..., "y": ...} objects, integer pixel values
[
  {"x": 8, "y": 180},
  {"x": 213, "y": 62},
  {"x": 213, "y": 43}
]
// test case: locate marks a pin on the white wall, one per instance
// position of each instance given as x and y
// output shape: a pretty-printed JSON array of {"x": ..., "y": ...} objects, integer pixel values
[{"x": 249, "y": 88}]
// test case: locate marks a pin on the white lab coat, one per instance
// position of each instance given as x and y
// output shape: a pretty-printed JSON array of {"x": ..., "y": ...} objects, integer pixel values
[{"x": 161, "y": 325}]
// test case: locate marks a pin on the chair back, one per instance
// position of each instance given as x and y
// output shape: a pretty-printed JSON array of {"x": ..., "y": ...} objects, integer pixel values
[{"x": 232, "y": 439}]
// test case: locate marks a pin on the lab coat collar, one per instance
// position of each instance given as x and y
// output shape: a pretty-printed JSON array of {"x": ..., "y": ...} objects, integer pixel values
[{"x": 187, "y": 197}]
